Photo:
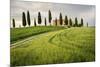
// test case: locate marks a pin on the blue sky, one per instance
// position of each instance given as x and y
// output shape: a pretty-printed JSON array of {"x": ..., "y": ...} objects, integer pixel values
[{"x": 87, "y": 12}]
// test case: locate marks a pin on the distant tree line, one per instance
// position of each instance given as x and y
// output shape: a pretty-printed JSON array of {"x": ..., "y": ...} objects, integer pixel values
[{"x": 65, "y": 21}]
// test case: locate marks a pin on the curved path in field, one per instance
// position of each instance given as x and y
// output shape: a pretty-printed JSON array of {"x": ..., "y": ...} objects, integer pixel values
[
  {"x": 66, "y": 45},
  {"x": 19, "y": 43}
]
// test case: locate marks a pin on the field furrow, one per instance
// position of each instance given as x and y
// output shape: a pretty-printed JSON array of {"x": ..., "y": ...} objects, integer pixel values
[{"x": 61, "y": 46}]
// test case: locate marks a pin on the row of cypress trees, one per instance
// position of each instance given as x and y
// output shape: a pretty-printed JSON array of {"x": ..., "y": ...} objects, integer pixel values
[{"x": 67, "y": 21}]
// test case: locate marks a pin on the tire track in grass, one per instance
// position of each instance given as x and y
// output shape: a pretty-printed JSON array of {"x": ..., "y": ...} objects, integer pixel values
[
  {"x": 19, "y": 43},
  {"x": 60, "y": 37}
]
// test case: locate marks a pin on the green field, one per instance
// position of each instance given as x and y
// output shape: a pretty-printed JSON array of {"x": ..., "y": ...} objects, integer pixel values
[
  {"x": 76, "y": 44},
  {"x": 18, "y": 34}
]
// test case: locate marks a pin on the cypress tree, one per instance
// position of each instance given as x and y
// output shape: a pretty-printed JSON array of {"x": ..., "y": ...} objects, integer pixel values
[
  {"x": 45, "y": 22},
  {"x": 76, "y": 22},
  {"x": 81, "y": 21},
  {"x": 23, "y": 19},
  {"x": 56, "y": 21},
  {"x": 28, "y": 18},
  {"x": 50, "y": 17},
  {"x": 70, "y": 22},
  {"x": 87, "y": 24},
  {"x": 39, "y": 18},
  {"x": 34, "y": 22},
  {"x": 13, "y": 20},
  {"x": 66, "y": 20},
  {"x": 60, "y": 19}
]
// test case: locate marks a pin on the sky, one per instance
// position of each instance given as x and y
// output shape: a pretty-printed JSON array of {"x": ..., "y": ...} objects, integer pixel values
[{"x": 87, "y": 12}]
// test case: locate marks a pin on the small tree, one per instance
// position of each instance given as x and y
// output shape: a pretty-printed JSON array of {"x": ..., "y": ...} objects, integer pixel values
[
  {"x": 70, "y": 22},
  {"x": 13, "y": 22},
  {"x": 60, "y": 19},
  {"x": 45, "y": 22},
  {"x": 66, "y": 20},
  {"x": 81, "y": 21},
  {"x": 87, "y": 24},
  {"x": 50, "y": 17},
  {"x": 34, "y": 22},
  {"x": 28, "y": 18},
  {"x": 56, "y": 21},
  {"x": 39, "y": 18},
  {"x": 76, "y": 22},
  {"x": 23, "y": 19}
]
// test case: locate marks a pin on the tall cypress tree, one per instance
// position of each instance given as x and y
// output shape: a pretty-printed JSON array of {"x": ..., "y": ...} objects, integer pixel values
[
  {"x": 60, "y": 19},
  {"x": 23, "y": 19},
  {"x": 76, "y": 22},
  {"x": 39, "y": 18},
  {"x": 28, "y": 18},
  {"x": 50, "y": 17},
  {"x": 87, "y": 24},
  {"x": 70, "y": 22},
  {"x": 45, "y": 22},
  {"x": 34, "y": 22},
  {"x": 56, "y": 21},
  {"x": 81, "y": 21},
  {"x": 66, "y": 20},
  {"x": 13, "y": 22}
]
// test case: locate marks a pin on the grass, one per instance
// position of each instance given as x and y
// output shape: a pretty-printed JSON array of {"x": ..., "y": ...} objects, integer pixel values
[
  {"x": 18, "y": 34},
  {"x": 62, "y": 46}
]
